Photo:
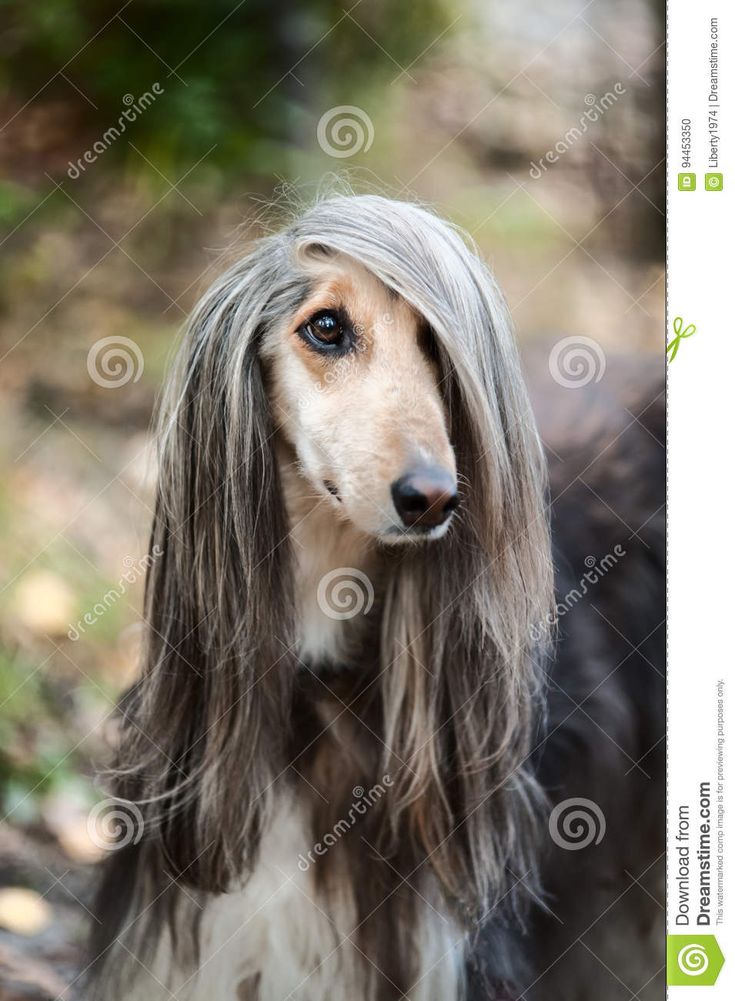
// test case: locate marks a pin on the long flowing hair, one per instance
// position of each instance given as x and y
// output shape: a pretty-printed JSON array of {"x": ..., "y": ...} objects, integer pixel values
[{"x": 207, "y": 732}]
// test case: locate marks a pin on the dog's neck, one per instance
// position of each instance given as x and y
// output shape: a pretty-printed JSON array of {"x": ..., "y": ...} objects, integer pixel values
[{"x": 337, "y": 573}]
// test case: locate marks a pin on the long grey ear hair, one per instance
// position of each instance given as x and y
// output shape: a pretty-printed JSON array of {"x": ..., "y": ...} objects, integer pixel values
[{"x": 203, "y": 732}]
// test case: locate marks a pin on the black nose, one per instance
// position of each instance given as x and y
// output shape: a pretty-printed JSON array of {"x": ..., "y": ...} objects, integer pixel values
[{"x": 425, "y": 496}]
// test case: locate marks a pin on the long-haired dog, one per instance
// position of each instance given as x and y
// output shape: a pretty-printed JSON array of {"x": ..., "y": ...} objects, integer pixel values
[{"x": 351, "y": 725}]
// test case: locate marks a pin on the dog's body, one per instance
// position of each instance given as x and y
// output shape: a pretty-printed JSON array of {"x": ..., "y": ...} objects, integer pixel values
[
  {"x": 339, "y": 744},
  {"x": 605, "y": 699}
]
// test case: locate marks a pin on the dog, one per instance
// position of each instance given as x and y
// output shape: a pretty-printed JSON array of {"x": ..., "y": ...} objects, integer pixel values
[{"x": 360, "y": 700}]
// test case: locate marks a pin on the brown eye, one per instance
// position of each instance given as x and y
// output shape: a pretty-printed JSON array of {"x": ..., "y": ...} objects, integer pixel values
[{"x": 326, "y": 330}]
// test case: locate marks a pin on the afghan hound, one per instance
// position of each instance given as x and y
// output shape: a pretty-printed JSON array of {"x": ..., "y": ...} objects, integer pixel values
[{"x": 362, "y": 708}]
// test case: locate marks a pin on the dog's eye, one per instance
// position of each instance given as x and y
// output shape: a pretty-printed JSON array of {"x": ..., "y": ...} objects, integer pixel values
[{"x": 325, "y": 329}]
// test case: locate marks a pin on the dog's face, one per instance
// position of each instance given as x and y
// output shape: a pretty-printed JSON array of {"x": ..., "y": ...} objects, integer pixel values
[{"x": 355, "y": 391}]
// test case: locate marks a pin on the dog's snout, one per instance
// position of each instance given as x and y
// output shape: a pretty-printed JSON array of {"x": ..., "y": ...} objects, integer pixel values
[{"x": 425, "y": 496}]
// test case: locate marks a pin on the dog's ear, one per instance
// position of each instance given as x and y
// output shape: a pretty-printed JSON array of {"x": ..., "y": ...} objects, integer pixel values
[{"x": 205, "y": 733}]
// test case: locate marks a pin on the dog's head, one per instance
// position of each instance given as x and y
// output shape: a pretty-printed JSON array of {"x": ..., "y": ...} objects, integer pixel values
[{"x": 380, "y": 346}]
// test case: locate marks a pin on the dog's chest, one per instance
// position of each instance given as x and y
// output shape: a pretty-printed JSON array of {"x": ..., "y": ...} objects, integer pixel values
[{"x": 278, "y": 938}]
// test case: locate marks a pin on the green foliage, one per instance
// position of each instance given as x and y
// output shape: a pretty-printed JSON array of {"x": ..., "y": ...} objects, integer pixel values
[
  {"x": 15, "y": 203},
  {"x": 242, "y": 76},
  {"x": 35, "y": 752}
]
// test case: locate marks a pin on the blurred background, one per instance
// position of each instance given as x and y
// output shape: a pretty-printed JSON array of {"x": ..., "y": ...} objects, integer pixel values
[{"x": 142, "y": 140}]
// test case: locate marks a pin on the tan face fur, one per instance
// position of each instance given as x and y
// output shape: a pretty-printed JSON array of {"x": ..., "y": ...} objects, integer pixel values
[{"x": 360, "y": 418}]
